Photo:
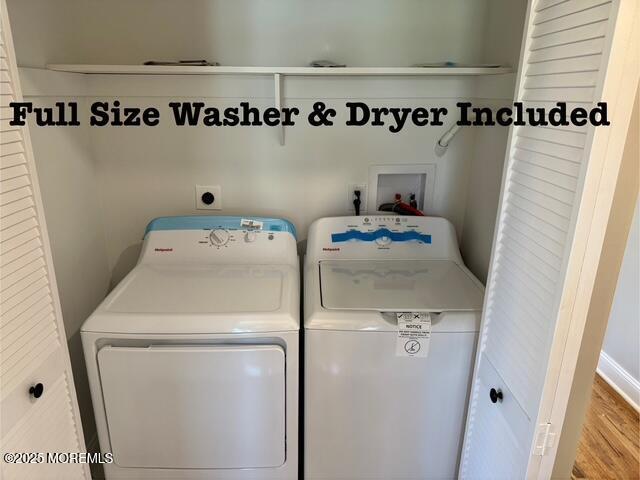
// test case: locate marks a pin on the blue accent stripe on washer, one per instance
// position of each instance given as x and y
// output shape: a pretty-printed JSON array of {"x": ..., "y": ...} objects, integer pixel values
[
  {"x": 210, "y": 222},
  {"x": 383, "y": 232}
]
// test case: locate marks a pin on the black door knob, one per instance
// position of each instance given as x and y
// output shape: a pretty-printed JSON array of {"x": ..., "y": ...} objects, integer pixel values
[
  {"x": 36, "y": 390},
  {"x": 495, "y": 395}
]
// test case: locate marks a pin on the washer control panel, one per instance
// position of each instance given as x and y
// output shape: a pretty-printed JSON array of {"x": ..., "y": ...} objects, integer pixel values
[
  {"x": 372, "y": 237},
  {"x": 383, "y": 231}
]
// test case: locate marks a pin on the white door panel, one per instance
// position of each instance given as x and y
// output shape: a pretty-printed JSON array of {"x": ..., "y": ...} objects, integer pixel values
[
  {"x": 566, "y": 53},
  {"x": 224, "y": 406},
  {"x": 33, "y": 344}
]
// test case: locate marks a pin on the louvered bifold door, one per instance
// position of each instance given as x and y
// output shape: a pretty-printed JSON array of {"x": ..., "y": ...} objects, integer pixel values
[
  {"x": 566, "y": 48},
  {"x": 33, "y": 347}
]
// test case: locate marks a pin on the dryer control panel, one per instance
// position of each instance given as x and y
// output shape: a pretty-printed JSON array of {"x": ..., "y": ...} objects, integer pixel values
[
  {"x": 382, "y": 236},
  {"x": 219, "y": 239}
]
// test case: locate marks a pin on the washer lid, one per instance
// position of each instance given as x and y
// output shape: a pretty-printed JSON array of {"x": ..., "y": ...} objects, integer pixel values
[{"x": 398, "y": 286}]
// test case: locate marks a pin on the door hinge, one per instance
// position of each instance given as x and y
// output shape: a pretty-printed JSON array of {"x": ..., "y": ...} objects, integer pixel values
[{"x": 545, "y": 439}]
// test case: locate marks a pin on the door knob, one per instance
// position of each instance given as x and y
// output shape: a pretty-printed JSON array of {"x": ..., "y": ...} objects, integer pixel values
[
  {"x": 495, "y": 395},
  {"x": 36, "y": 390}
]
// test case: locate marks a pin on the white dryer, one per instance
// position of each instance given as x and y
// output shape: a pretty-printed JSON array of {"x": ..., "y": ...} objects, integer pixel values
[
  {"x": 193, "y": 357},
  {"x": 383, "y": 401}
]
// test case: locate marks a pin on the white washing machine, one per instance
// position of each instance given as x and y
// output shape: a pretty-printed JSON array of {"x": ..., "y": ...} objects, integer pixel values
[
  {"x": 193, "y": 357},
  {"x": 383, "y": 401}
]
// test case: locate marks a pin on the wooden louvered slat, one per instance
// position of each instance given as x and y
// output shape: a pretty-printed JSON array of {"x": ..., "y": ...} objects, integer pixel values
[
  {"x": 527, "y": 230},
  {"x": 540, "y": 272},
  {"x": 13, "y": 353},
  {"x": 21, "y": 262},
  {"x": 5, "y": 87},
  {"x": 533, "y": 255},
  {"x": 5, "y": 124},
  {"x": 553, "y": 135},
  {"x": 534, "y": 219},
  {"x": 579, "y": 19},
  {"x": 576, "y": 94},
  {"x": 9, "y": 294},
  {"x": 14, "y": 207},
  {"x": 14, "y": 242},
  {"x": 7, "y": 161},
  {"x": 11, "y": 232},
  {"x": 567, "y": 65},
  {"x": 566, "y": 8},
  {"x": 14, "y": 195},
  {"x": 14, "y": 183},
  {"x": 19, "y": 251},
  {"x": 555, "y": 164},
  {"x": 538, "y": 208},
  {"x": 6, "y": 100},
  {"x": 543, "y": 192},
  {"x": 545, "y": 174},
  {"x": 11, "y": 148},
  {"x": 569, "y": 50},
  {"x": 555, "y": 150},
  {"x": 15, "y": 277},
  {"x": 586, "y": 32},
  {"x": 40, "y": 306},
  {"x": 563, "y": 80},
  {"x": 10, "y": 136},
  {"x": 15, "y": 218},
  {"x": 16, "y": 330},
  {"x": 6, "y": 113}
]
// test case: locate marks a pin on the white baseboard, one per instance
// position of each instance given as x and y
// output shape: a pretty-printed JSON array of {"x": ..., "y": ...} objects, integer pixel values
[{"x": 620, "y": 380}]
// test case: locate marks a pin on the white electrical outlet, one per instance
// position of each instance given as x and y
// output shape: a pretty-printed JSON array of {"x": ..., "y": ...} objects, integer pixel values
[
  {"x": 351, "y": 197},
  {"x": 208, "y": 197}
]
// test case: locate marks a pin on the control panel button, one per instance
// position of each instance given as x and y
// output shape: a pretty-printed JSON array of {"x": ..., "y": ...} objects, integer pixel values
[
  {"x": 383, "y": 241},
  {"x": 250, "y": 236},
  {"x": 219, "y": 237}
]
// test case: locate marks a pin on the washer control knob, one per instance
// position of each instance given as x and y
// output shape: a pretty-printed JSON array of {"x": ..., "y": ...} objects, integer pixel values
[
  {"x": 250, "y": 236},
  {"x": 219, "y": 237},
  {"x": 383, "y": 241}
]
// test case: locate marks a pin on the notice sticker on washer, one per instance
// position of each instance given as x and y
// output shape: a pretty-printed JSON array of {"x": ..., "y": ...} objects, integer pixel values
[
  {"x": 414, "y": 334},
  {"x": 251, "y": 224}
]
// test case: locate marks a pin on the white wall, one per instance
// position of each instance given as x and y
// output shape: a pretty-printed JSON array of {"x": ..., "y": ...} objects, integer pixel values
[
  {"x": 147, "y": 172},
  {"x": 505, "y": 21},
  {"x": 250, "y": 32},
  {"x": 620, "y": 357}
]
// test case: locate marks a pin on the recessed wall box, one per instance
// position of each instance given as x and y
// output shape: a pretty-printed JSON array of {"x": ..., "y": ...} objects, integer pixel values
[{"x": 385, "y": 181}]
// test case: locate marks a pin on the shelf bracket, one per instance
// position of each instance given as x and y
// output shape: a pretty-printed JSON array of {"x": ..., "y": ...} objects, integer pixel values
[{"x": 278, "y": 81}]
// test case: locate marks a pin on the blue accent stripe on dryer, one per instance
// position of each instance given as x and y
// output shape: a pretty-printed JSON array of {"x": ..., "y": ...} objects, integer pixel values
[
  {"x": 383, "y": 232},
  {"x": 210, "y": 222}
]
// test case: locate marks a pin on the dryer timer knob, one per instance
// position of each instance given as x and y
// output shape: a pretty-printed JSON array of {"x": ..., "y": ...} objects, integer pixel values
[{"x": 219, "y": 237}]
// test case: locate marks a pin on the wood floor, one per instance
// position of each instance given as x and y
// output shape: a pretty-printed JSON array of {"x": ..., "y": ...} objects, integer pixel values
[{"x": 609, "y": 446}]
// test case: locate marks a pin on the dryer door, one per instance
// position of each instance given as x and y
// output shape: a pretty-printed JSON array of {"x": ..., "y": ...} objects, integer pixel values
[{"x": 220, "y": 406}]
